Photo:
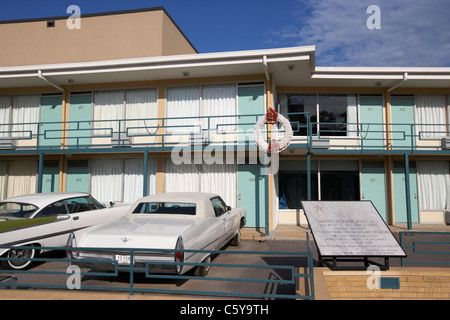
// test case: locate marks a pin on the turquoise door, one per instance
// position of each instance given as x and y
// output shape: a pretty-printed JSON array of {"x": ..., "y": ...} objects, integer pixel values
[
  {"x": 77, "y": 176},
  {"x": 251, "y": 102},
  {"x": 373, "y": 188},
  {"x": 252, "y": 195},
  {"x": 402, "y": 113},
  {"x": 50, "y": 177},
  {"x": 80, "y": 114},
  {"x": 400, "y": 214},
  {"x": 51, "y": 118},
  {"x": 371, "y": 119}
]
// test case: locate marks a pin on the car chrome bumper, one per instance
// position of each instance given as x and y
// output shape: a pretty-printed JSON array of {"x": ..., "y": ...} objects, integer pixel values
[{"x": 141, "y": 263}]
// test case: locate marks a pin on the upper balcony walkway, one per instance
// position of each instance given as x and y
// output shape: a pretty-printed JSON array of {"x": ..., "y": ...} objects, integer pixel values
[{"x": 221, "y": 132}]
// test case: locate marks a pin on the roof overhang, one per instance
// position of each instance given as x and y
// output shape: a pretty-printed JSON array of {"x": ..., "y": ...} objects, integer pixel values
[
  {"x": 289, "y": 67},
  {"x": 273, "y": 61},
  {"x": 414, "y": 77}
]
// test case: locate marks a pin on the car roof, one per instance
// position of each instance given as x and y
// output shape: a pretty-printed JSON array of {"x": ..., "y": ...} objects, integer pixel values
[
  {"x": 179, "y": 197},
  {"x": 43, "y": 199}
]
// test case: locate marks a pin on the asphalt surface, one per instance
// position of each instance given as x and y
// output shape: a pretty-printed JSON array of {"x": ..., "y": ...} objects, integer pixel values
[
  {"x": 267, "y": 271},
  {"x": 269, "y": 274}
]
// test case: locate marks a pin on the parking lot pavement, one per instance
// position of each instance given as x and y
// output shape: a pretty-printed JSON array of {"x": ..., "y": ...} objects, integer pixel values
[{"x": 289, "y": 237}]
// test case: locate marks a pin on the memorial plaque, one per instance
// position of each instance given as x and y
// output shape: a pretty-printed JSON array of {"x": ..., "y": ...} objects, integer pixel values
[{"x": 350, "y": 229}]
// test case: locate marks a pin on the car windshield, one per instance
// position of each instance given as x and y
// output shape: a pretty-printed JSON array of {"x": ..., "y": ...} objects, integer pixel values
[
  {"x": 165, "y": 208},
  {"x": 16, "y": 210}
]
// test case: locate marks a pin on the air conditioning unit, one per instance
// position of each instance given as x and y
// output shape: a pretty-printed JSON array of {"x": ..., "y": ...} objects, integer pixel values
[
  {"x": 7, "y": 143},
  {"x": 445, "y": 143},
  {"x": 447, "y": 217},
  {"x": 198, "y": 139},
  {"x": 320, "y": 143},
  {"x": 121, "y": 140}
]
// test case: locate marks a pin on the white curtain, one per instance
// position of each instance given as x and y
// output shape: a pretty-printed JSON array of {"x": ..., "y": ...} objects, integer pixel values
[
  {"x": 5, "y": 116},
  {"x": 108, "y": 105},
  {"x": 25, "y": 115},
  {"x": 141, "y": 104},
  {"x": 352, "y": 116},
  {"x": 181, "y": 178},
  {"x": 22, "y": 178},
  {"x": 216, "y": 178},
  {"x": 183, "y": 102},
  {"x": 133, "y": 181},
  {"x": 3, "y": 168},
  {"x": 222, "y": 180},
  {"x": 219, "y": 100},
  {"x": 430, "y": 115},
  {"x": 107, "y": 179},
  {"x": 434, "y": 185}
]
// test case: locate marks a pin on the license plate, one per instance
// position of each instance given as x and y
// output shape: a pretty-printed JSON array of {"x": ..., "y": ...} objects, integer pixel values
[{"x": 123, "y": 259}]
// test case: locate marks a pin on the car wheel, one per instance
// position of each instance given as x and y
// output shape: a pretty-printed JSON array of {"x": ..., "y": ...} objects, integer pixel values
[
  {"x": 19, "y": 254},
  {"x": 203, "y": 271},
  {"x": 236, "y": 239}
]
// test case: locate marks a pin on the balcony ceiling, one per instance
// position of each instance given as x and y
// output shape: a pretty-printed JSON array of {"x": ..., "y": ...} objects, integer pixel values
[{"x": 290, "y": 67}]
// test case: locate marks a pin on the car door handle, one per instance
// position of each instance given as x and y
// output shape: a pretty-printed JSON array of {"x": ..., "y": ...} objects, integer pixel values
[{"x": 76, "y": 218}]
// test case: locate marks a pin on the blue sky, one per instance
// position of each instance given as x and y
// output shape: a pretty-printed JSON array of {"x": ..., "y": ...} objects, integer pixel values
[{"x": 413, "y": 33}]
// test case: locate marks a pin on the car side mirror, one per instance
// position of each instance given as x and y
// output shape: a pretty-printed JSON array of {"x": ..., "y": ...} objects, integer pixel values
[{"x": 228, "y": 208}]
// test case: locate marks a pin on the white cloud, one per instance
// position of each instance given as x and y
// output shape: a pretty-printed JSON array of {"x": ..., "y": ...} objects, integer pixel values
[{"x": 413, "y": 33}]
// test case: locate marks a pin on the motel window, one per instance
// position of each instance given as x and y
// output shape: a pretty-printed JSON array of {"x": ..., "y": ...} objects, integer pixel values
[
  {"x": 293, "y": 188},
  {"x": 330, "y": 180},
  {"x": 335, "y": 111},
  {"x": 298, "y": 107},
  {"x": 137, "y": 106},
  {"x": 201, "y": 109},
  {"x": 19, "y": 115},
  {"x": 330, "y": 115}
]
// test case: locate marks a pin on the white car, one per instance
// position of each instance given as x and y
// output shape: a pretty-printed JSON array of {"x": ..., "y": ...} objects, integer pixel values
[
  {"x": 167, "y": 224},
  {"x": 46, "y": 220}
]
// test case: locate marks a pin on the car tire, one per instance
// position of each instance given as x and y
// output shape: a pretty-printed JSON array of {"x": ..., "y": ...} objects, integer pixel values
[
  {"x": 18, "y": 264},
  {"x": 236, "y": 239},
  {"x": 203, "y": 271}
]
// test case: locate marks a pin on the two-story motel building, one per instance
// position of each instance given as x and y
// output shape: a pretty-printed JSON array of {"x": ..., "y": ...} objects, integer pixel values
[{"x": 110, "y": 108}]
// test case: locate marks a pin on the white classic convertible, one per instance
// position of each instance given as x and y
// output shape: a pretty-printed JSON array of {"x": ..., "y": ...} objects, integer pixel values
[
  {"x": 46, "y": 220},
  {"x": 163, "y": 223}
]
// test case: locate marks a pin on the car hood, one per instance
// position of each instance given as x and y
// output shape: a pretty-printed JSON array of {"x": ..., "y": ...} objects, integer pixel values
[{"x": 156, "y": 232}]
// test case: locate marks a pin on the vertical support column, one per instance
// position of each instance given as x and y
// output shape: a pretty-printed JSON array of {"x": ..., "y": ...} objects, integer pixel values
[
  {"x": 408, "y": 192},
  {"x": 159, "y": 173},
  {"x": 145, "y": 173},
  {"x": 161, "y": 106},
  {"x": 308, "y": 175},
  {"x": 266, "y": 195},
  {"x": 65, "y": 119},
  {"x": 40, "y": 172}
]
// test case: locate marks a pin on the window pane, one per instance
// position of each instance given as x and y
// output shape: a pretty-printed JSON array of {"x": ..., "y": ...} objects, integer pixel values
[
  {"x": 339, "y": 185},
  {"x": 333, "y": 115},
  {"x": 80, "y": 204},
  {"x": 218, "y": 206},
  {"x": 11, "y": 210},
  {"x": 302, "y": 103},
  {"x": 293, "y": 188},
  {"x": 165, "y": 208},
  {"x": 52, "y": 210}
]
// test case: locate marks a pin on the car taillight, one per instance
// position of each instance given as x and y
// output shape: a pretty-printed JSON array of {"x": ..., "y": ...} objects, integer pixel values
[
  {"x": 72, "y": 243},
  {"x": 179, "y": 255}
]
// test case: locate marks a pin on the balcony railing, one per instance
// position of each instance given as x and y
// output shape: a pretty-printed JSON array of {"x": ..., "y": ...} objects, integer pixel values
[{"x": 162, "y": 134}]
